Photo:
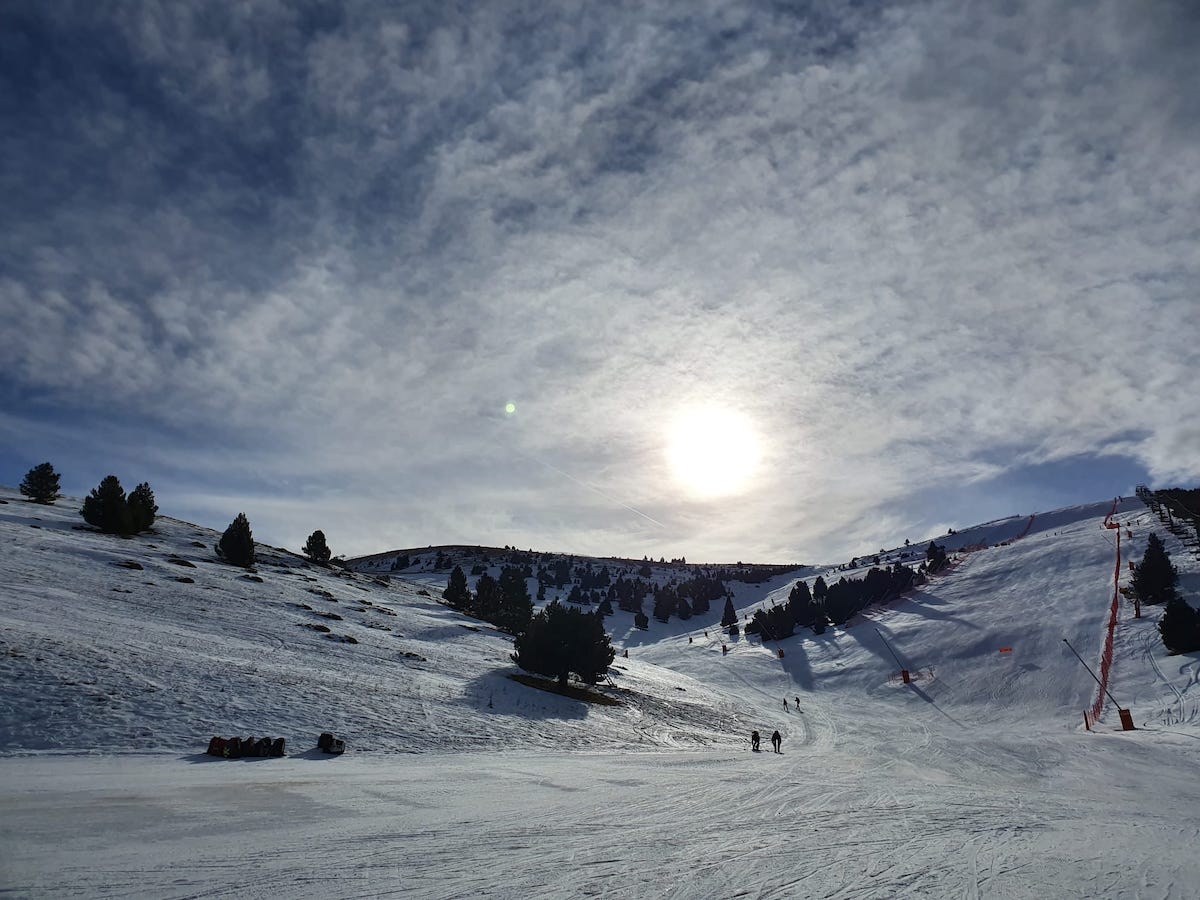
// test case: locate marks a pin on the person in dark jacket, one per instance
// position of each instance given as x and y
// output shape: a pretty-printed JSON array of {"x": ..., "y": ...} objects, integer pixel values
[
  {"x": 776, "y": 741},
  {"x": 754, "y": 741}
]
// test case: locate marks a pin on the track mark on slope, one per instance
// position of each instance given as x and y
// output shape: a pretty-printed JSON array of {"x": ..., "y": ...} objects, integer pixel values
[{"x": 1183, "y": 712}]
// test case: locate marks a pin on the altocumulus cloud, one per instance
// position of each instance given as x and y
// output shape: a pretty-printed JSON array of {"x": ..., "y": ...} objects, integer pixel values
[{"x": 294, "y": 258}]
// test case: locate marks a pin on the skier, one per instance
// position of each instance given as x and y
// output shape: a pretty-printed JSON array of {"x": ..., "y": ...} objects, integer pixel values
[
  {"x": 754, "y": 741},
  {"x": 776, "y": 740},
  {"x": 797, "y": 703},
  {"x": 785, "y": 706}
]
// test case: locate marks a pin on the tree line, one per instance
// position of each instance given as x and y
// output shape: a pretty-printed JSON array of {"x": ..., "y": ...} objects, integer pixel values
[
  {"x": 1156, "y": 581},
  {"x": 110, "y": 510},
  {"x": 827, "y": 604}
]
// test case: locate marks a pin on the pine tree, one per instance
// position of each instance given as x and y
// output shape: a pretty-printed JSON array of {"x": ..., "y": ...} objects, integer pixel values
[
  {"x": 108, "y": 509},
  {"x": 665, "y": 603},
  {"x": 774, "y": 623},
  {"x": 488, "y": 598},
  {"x": 593, "y": 649},
  {"x": 935, "y": 554},
  {"x": 316, "y": 549},
  {"x": 800, "y": 603},
  {"x": 563, "y": 639},
  {"x": 105, "y": 507},
  {"x": 562, "y": 573},
  {"x": 237, "y": 543},
  {"x": 457, "y": 593},
  {"x": 516, "y": 608},
  {"x": 142, "y": 508},
  {"x": 841, "y": 602},
  {"x": 729, "y": 617},
  {"x": 819, "y": 589},
  {"x": 1180, "y": 626},
  {"x": 41, "y": 484},
  {"x": 1155, "y": 577}
]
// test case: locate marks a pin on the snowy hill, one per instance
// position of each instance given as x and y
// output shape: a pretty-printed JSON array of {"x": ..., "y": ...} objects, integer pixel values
[
  {"x": 154, "y": 643},
  {"x": 119, "y": 658}
]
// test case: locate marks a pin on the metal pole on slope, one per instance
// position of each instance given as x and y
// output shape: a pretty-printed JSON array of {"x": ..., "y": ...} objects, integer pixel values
[
  {"x": 904, "y": 676},
  {"x": 1126, "y": 720}
]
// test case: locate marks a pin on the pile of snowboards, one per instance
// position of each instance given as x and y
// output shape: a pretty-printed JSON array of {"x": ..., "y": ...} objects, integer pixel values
[
  {"x": 239, "y": 747},
  {"x": 329, "y": 744}
]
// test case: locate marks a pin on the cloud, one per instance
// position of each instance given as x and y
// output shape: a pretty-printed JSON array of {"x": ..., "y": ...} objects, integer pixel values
[{"x": 919, "y": 245}]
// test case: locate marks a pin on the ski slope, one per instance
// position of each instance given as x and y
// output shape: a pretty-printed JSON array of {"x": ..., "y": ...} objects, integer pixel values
[{"x": 976, "y": 780}]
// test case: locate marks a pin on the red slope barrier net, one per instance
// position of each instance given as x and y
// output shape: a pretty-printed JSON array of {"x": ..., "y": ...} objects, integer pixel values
[
  {"x": 1106, "y": 655},
  {"x": 1112, "y": 512},
  {"x": 1028, "y": 525}
]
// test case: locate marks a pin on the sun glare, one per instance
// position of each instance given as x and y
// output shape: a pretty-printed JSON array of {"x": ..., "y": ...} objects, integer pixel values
[{"x": 713, "y": 451}]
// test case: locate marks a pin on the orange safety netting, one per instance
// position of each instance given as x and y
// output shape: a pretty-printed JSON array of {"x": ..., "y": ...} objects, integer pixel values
[{"x": 1106, "y": 655}]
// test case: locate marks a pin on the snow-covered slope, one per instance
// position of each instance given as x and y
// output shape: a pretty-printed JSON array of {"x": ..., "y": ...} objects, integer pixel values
[
  {"x": 97, "y": 655},
  {"x": 975, "y": 780}
]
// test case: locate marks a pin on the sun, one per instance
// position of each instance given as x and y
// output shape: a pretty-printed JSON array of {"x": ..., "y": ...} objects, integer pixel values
[{"x": 713, "y": 451}]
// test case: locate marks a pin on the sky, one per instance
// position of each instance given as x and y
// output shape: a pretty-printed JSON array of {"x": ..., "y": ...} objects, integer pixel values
[{"x": 758, "y": 281}]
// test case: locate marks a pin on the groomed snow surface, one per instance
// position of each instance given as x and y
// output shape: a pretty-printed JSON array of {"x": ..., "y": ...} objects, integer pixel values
[{"x": 976, "y": 780}]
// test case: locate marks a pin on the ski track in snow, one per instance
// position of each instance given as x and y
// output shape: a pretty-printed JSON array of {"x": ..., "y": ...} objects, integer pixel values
[{"x": 461, "y": 783}]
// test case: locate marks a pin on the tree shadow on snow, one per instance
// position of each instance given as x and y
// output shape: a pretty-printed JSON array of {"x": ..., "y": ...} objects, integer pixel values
[
  {"x": 924, "y": 696},
  {"x": 795, "y": 661},
  {"x": 923, "y": 604},
  {"x": 869, "y": 636},
  {"x": 495, "y": 693}
]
